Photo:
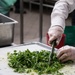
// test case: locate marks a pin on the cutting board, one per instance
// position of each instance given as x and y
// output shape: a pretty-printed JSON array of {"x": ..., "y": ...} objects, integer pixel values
[{"x": 6, "y": 70}]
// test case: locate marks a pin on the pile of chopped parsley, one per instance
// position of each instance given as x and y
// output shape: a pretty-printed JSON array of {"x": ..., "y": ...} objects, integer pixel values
[{"x": 27, "y": 61}]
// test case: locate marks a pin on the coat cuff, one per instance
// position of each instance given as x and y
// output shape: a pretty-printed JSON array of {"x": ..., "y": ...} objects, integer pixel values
[{"x": 58, "y": 21}]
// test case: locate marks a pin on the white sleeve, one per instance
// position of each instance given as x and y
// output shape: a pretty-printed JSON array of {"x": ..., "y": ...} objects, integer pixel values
[{"x": 60, "y": 12}]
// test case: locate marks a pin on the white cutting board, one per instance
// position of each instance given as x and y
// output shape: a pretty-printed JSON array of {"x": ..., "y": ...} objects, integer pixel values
[{"x": 6, "y": 70}]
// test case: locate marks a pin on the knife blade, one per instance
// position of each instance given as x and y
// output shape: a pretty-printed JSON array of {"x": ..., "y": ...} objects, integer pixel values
[{"x": 52, "y": 52}]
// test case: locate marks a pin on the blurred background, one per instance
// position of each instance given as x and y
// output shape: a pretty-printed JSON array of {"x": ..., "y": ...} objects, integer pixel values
[{"x": 35, "y": 13}]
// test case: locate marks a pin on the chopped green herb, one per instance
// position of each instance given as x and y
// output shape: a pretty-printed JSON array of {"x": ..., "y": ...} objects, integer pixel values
[{"x": 37, "y": 61}]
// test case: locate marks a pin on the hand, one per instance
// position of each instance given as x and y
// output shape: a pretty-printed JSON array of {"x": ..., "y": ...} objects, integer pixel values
[
  {"x": 66, "y": 53},
  {"x": 55, "y": 33}
]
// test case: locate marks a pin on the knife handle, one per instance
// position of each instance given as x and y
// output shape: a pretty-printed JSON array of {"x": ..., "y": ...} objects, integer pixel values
[
  {"x": 52, "y": 52},
  {"x": 53, "y": 43}
]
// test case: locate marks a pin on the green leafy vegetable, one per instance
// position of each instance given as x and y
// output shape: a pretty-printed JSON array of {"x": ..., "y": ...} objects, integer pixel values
[{"x": 37, "y": 61}]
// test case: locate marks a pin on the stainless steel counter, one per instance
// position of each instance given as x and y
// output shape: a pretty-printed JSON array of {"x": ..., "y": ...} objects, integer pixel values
[{"x": 6, "y": 70}]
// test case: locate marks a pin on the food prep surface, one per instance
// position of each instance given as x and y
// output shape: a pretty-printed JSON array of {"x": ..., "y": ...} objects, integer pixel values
[{"x": 36, "y": 46}]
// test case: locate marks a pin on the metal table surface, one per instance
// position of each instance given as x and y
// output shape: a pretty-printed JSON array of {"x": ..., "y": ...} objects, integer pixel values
[{"x": 6, "y": 70}]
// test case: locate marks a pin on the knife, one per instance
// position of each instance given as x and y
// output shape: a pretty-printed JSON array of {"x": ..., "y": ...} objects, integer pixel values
[{"x": 52, "y": 52}]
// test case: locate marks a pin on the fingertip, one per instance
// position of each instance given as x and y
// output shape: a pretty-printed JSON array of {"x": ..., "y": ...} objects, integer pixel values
[
  {"x": 58, "y": 56},
  {"x": 57, "y": 42},
  {"x": 58, "y": 53},
  {"x": 49, "y": 43}
]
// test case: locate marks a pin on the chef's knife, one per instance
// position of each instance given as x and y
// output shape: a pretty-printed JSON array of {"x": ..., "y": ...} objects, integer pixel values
[{"x": 52, "y": 52}]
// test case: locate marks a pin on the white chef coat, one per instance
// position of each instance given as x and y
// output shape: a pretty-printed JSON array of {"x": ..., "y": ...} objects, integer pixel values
[{"x": 60, "y": 12}]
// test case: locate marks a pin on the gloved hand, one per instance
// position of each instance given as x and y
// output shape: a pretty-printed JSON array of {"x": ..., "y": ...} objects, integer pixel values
[
  {"x": 55, "y": 33},
  {"x": 66, "y": 53}
]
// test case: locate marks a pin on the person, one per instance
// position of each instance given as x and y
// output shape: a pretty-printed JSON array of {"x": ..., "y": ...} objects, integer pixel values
[
  {"x": 59, "y": 14},
  {"x": 4, "y": 10},
  {"x": 5, "y": 6}
]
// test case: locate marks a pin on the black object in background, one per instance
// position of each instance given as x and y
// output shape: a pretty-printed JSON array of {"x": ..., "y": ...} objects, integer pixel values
[
  {"x": 17, "y": 7},
  {"x": 73, "y": 18}
]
